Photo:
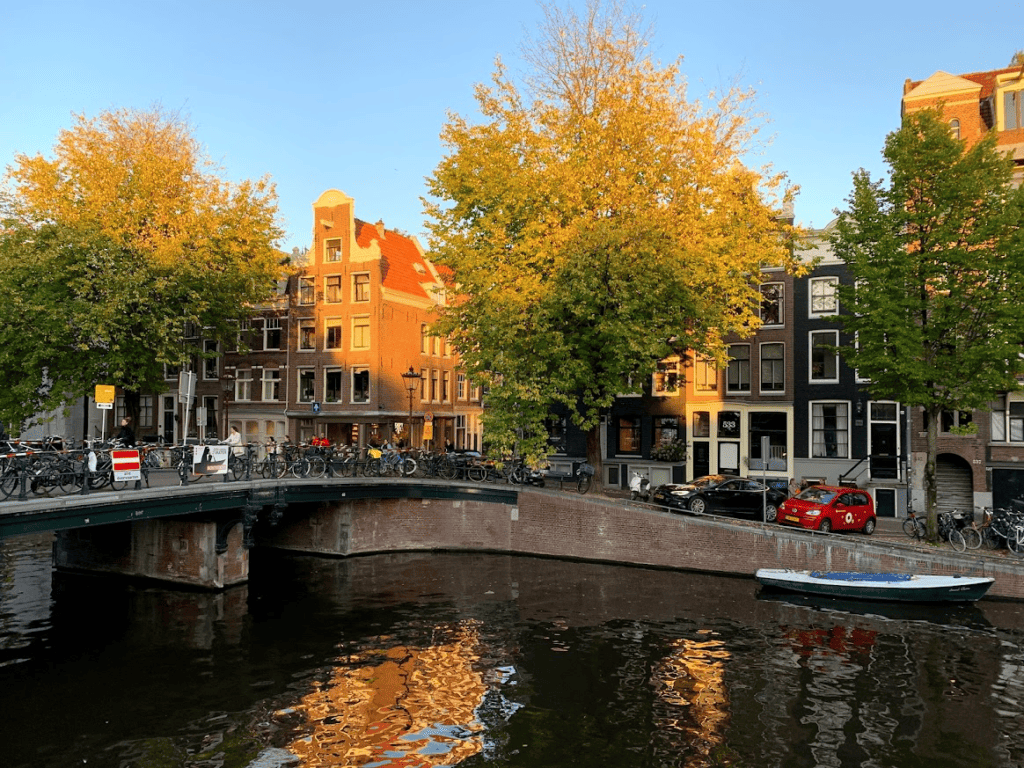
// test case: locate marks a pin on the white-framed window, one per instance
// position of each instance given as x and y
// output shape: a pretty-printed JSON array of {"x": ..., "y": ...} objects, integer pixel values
[
  {"x": 424, "y": 339},
  {"x": 460, "y": 386},
  {"x": 361, "y": 332},
  {"x": 332, "y": 249},
  {"x": 307, "y": 385},
  {"x": 333, "y": 378},
  {"x": 307, "y": 290},
  {"x": 954, "y": 128},
  {"x": 424, "y": 378},
  {"x": 272, "y": 333},
  {"x": 824, "y": 358},
  {"x": 271, "y": 384},
  {"x": 361, "y": 287},
  {"x": 830, "y": 430},
  {"x": 436, "y": 344},
  {"x": 243, "y": 385},
  {"x": 211, "y": 365},
  {"x": 824, "y": 300},
  {"x": 360, "y": 385},
  {"x": 773, "y": 367},
  {"x": 705, "y": 375},
  {"x": 332, "y": 289},
  {"x": 667, "y": 378},
  {"x": 333, "y": 333},
  {"x": 773, "y": 304},
  {"x": 307, "y": 334},
  {"x": 738, "y": 375}
]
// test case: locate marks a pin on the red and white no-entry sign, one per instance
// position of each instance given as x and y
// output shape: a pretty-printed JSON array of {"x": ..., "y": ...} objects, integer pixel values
[{"x": 126, "y": 465}]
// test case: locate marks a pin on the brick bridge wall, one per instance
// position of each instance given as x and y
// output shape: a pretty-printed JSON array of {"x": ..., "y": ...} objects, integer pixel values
[{"x": 567, "y": 525}]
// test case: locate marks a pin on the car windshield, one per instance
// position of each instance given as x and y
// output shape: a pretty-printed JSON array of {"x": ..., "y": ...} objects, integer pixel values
[
  {"x": 702, "y": 482},
  {"x": 818, "y": 495}
]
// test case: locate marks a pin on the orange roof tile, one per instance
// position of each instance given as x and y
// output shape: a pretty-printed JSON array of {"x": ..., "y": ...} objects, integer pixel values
[{"x": 403, "y": 266}]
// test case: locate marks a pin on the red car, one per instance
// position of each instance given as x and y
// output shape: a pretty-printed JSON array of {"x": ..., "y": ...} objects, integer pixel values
[{"x": 827, "y": 508}]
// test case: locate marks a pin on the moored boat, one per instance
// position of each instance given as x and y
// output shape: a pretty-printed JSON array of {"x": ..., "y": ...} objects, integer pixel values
[{"x": 902, "y": 587}]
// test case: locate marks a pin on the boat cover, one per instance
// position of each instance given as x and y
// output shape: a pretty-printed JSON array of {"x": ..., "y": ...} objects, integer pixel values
[{"x": 853, "y": 576}]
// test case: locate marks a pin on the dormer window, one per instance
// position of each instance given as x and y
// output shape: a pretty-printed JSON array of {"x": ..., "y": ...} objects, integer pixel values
[{"x": 1012, "y": 116}]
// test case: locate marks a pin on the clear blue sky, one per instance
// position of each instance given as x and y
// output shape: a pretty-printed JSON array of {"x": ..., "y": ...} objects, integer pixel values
[{"x": 352, "y": 96}]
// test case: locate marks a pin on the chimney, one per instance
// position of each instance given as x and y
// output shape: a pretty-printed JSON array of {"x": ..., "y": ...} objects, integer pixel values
[{"x": 380, "y": 228}]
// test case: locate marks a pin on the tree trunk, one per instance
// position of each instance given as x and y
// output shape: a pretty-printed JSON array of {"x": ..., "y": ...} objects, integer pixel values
[{"x": 933, "y": 415}]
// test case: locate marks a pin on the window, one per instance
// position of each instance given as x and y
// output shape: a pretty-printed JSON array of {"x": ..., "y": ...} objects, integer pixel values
[
  {"x": 271, "y": 384},
  {"x": 701, "y": 424},
  {"x": 446, "y": 382},
  {"x": 332, "y": 249},
  {"x": 956, "y": 421},
  {"x": 360, "y": 385},
  {"x": 433, "y": 386},
  {"x": 772, "y": 304},
  {"x": 332, "y": 334},
  {"x": 307, "y": 292},
  {"x": 424, "y": 378},
  {"x": 1012, "y": 113},
  {"x": 629, "y": 435},
  {"x": 738, "y": 374},
  {"x": 243, "y": 385},
  {"x": 666, "y": 431},
  {"x": 211, "y": 365},
  {"x": 436, "y": 343},
  {"x": 272, "y": 333},
  {"x": 307, "y": 385},
  {"x": 823, "y": 296},
  {"x": 1016, "y": 422},
  {"x": 824, "y": 357},
  {"x": 361, "y": 286},
  {"x": 666, "y": 378},
  {"x": 830, "y": 430},
  {"x": 706, "y": 375},
  {"x": 332, "y": 385},
  {"x": 146, "y": 411},
  {"x": 460, "y": 386},
  {"x": 424, "y": 340},
  {"x": 770, "y": 424},
  {"x": 307, "y": 334},
  {"x": 954, "y": 128},
  {"x": 557, "y": 434},
  {"x": 332, "y": 289},
  {"x": 729, "y": 423},
  {"x": 360, "y": 333},
  {"x": 773, "y": 367},
  {"x": 210, "y": 405}
]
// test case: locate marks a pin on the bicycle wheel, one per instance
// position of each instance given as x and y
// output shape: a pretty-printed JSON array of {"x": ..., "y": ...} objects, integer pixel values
[
  {"x": 477, "y": 473},
  {"x": 972, "y": 537},
  {"x": 956, "y": 540},
  {"x": 9, "y": 479},
  {"x": 990, "y": 539},
  {"x": 914, "y": 527},
  {"x": 447, "y": 469},
  {"x": 1015, "y": 541},
  {"x": 300, "y": 467},
  {"x": 583, "y": 483},
  {"x": 70, "y": 478},
  {"x": 407, "y": 467},
  {"x": 317, "y": 466},
  {"x": 236, "y": 466}
]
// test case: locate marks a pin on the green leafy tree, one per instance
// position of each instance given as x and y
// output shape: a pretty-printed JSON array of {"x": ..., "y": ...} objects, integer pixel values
[
  {"x": 111, "y": 248},
  {"x": 595, "y": 222},
  {"x": 938, "y": 258}
]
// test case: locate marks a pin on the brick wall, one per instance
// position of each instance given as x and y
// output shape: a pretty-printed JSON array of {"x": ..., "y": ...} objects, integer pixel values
[{"x": 592, "y": 528}]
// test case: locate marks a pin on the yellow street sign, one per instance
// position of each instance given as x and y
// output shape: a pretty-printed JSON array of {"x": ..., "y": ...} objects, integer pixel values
[{"x": 105, "y": 393}]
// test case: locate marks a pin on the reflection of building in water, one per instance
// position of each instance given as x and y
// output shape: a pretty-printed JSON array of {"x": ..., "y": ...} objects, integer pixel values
[
  {"x": 399, "y": 707},
  {"x": 693, "y": 699}
]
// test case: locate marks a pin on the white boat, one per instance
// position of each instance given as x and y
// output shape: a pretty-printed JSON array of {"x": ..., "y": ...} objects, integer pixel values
[{"x": 901, "y": 587}]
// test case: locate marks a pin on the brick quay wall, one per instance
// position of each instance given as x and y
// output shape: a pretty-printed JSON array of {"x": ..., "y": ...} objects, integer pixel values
[{"x": 596, "y": 528}]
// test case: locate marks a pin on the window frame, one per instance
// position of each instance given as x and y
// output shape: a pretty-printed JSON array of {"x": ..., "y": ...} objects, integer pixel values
[
  {"x": 334, "y": 289},
  {"x": 361, "y": 371},
  {"x": 831, "y": 296},
  {"x": 360, "y": 287},
  {"x": 334, "y": 324},
  {"x": 306, "y": 395},
  {"x": 779, "y": 301},
  {"x": 844, "y": 431},
  {"x": 307, "y": 334},
  {"x": 776, "y": 362},
  {"x": 306, "y": 290},
  {"x": 359, "y": 323},
  {"x": 739, "y": 389},
  {"x": 834, "y": 356},
  {"x": 329, "y": 249}
]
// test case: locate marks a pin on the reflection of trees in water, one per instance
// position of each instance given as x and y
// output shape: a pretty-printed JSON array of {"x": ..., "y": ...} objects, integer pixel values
[
  {"x": 398, "y": 706},
  {"x": 692, "y": 700}
]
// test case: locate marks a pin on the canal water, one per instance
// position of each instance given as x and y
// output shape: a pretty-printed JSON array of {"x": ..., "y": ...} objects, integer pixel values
[{"x": 424, "y": 659}]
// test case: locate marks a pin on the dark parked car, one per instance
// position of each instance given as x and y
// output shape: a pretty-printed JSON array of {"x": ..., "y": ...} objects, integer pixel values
[{"x": 721, "y": 493}]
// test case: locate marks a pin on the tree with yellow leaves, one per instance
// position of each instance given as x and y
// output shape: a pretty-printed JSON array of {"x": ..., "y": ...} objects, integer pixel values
[
  {"x": 596, "y": 222},
  {"x": 111, "y": 248}
]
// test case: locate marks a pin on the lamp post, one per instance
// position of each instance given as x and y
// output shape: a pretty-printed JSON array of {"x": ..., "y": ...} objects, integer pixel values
[
  {"x": 411, "y": 377},
  {"x": 228, "y": 383}
]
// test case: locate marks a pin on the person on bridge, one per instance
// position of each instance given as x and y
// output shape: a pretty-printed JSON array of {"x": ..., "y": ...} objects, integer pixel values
[
  {"x": 127, "y": 434},
  {"x": 235, "y": 440}
]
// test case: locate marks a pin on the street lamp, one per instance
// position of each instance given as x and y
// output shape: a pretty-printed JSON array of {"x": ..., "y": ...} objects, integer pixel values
[
  {"x": 228, "y": 383},
  {"x": 411, "y": 377}
]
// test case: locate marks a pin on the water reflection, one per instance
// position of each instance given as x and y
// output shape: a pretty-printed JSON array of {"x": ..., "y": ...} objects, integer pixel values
[
  {"x": 425, "y": 659},
  {"x": 397, "y": 705}
]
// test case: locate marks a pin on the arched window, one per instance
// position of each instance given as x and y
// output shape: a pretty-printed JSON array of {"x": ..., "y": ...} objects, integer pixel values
[{"x": 954, "y": 128}]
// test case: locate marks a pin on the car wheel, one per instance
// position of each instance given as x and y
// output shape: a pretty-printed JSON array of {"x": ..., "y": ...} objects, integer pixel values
[
  {"x": 698, "y": 506},
  {"x": 869, "y": 526},
  {"x": 771, "y": 513},
  {"x": 826, "y": 526}
]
